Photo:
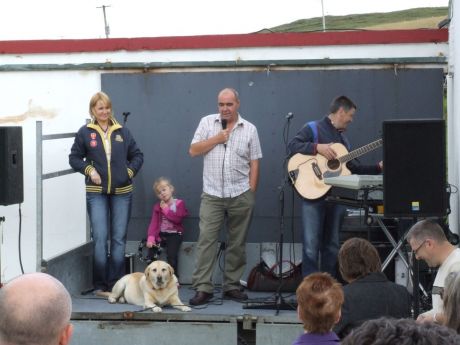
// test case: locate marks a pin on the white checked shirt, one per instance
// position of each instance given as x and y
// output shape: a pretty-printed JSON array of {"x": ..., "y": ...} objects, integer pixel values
[{"x": 226, "y": 171}]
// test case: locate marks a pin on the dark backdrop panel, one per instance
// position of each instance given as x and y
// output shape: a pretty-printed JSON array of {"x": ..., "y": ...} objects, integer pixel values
[{"x": 166, "y": 109}]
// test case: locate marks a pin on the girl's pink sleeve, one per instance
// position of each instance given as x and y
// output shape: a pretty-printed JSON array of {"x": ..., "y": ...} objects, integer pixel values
[
  {"x": 176, "y": 217},
  {"x": 153, "y": 232}
]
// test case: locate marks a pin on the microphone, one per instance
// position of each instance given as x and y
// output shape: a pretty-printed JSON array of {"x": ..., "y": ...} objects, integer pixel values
[
  {"x": 289, "y": 116},
  {"x": 224, "y": 126}
]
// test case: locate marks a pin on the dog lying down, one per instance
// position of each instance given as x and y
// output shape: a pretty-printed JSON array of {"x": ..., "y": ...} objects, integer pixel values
[{"x": 154, "y": 288}]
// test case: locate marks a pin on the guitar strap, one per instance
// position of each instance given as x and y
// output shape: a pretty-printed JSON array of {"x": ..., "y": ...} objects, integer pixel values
[
  {"x": 314, "y": 129},
  {"x": 345, "y": 141}
]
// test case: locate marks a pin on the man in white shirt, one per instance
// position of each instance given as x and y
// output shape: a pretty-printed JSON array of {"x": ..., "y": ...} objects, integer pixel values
[
  {"x": 231, "y": 149},
  {"x": 429, "y": 243}
]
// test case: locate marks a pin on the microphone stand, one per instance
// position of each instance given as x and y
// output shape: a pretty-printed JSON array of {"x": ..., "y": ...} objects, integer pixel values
[
  {"x": 279, "y": 303},
  {"x": 2, "y": 219},
  {"x": 125, "y": 117}
]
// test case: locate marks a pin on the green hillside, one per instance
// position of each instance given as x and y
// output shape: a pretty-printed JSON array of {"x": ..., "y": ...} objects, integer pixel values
[{"x": 390, "y": 20}]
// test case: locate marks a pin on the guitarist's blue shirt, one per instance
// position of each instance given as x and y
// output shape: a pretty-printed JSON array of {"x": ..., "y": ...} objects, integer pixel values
[{"x": 324, "y": 132}]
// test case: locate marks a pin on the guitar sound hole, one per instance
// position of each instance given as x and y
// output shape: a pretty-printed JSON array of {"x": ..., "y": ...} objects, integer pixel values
[{"x": 333, "y": 164}]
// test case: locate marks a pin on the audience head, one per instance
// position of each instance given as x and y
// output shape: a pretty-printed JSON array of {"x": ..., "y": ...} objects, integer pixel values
[
  {"x": 428, "y": 242},
  {"x": 319, "y": 300},
  {"x": 451, "y": 301},
  {"x": 385, "y": 331},
  {"x": 35, "y": 309},
  {"x": 358, "y": 258}
]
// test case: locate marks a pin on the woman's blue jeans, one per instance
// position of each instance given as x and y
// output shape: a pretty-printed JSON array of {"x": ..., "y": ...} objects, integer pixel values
[
  {"x": 321, "y": 225},
  {"x": 109, "y": 216}
]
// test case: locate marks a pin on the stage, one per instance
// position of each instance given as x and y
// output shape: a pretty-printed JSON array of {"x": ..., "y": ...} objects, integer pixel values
[{"x": 220, "y": 322}]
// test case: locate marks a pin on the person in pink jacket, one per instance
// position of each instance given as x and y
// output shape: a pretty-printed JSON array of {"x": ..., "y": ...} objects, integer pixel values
[{"x": 166, "y": 224}]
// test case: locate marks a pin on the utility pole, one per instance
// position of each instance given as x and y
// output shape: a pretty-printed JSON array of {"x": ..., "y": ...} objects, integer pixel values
[
  {"x": 106, "y": 26},
  {"x": 324, "y": 18}
]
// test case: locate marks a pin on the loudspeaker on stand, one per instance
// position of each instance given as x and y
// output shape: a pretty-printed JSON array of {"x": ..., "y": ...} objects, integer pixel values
[{"x": 11, "y": 168}]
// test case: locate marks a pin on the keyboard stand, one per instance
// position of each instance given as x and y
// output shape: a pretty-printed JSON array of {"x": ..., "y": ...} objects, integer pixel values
[
  {"x": 396, "y": 250},
  {"x": 365, "y": 204}
]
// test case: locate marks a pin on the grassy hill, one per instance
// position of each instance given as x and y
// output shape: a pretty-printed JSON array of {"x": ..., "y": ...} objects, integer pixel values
[{"x": 407, "y": 19}]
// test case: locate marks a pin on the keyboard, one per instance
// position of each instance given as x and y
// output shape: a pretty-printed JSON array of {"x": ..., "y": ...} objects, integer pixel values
[{"x": 355, "y": 181}]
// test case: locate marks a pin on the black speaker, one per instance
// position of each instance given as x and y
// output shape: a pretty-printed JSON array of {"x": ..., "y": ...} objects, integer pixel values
[
  {"x": 414, "y": 158},
  {"x": 11, "y": 172}
]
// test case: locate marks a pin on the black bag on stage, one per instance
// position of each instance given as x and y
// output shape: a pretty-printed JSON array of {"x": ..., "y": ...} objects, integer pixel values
[{"x": 263, "y": 278}]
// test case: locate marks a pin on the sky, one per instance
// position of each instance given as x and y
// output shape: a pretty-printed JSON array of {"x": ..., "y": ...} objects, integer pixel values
[{"x": 76, "y": 19}]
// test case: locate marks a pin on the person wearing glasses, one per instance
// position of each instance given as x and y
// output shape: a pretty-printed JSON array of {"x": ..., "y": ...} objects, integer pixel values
[{"x": 429, "y": 243}]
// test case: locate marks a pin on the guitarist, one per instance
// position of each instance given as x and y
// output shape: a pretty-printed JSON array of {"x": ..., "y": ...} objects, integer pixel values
[{"x": 322, "y": 220}]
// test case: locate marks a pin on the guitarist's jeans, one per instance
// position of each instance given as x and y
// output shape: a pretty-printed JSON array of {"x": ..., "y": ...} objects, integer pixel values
[{"x": 321, "y": 225}]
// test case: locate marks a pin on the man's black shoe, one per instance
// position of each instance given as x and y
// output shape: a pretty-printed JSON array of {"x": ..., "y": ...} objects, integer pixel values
[
  {"x": 201, "y": 297},
  {"x": 235, "y": 295}
]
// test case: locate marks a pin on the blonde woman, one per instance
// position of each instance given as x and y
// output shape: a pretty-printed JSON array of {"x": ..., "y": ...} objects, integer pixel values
[{"x": 107, "y": 155}]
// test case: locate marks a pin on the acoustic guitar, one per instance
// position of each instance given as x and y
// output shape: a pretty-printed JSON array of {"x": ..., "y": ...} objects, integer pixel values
[{"x": 307, "y": 172}]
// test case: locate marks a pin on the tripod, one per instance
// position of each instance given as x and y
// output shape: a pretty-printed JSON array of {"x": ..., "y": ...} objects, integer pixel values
[{"x": 279, "y": 303}]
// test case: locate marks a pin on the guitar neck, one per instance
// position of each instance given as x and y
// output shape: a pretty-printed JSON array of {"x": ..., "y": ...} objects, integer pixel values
[{"x": 360, "y": 151}]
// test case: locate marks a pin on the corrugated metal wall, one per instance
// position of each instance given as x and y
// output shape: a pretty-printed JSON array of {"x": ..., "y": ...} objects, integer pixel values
[{"x": 166, "y": 108}]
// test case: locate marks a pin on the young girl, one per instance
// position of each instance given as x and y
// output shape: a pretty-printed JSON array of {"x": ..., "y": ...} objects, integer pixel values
[{"x": 166, "y": 223}]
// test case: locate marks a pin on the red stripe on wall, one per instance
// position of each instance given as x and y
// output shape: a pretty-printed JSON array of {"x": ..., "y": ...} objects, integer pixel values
[{"x": 225, "y": 41}]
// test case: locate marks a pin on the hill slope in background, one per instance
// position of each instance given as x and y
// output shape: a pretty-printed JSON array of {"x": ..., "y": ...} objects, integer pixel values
[{"x": 415, "y": 18}]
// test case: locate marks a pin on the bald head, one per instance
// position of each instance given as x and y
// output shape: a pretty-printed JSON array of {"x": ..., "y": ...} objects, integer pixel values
[{"x": 35, "y": 308}]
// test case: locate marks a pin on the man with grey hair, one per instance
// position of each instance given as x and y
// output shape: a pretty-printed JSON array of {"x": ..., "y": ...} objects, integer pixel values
[
  {"x": 35, "y": 309},
  {"x": 429, "y": 243},
  {"x": 231, "y": 150}
]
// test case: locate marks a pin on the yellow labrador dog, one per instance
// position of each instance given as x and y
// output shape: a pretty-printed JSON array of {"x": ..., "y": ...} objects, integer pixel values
[{"x": 154, "y": 288}]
